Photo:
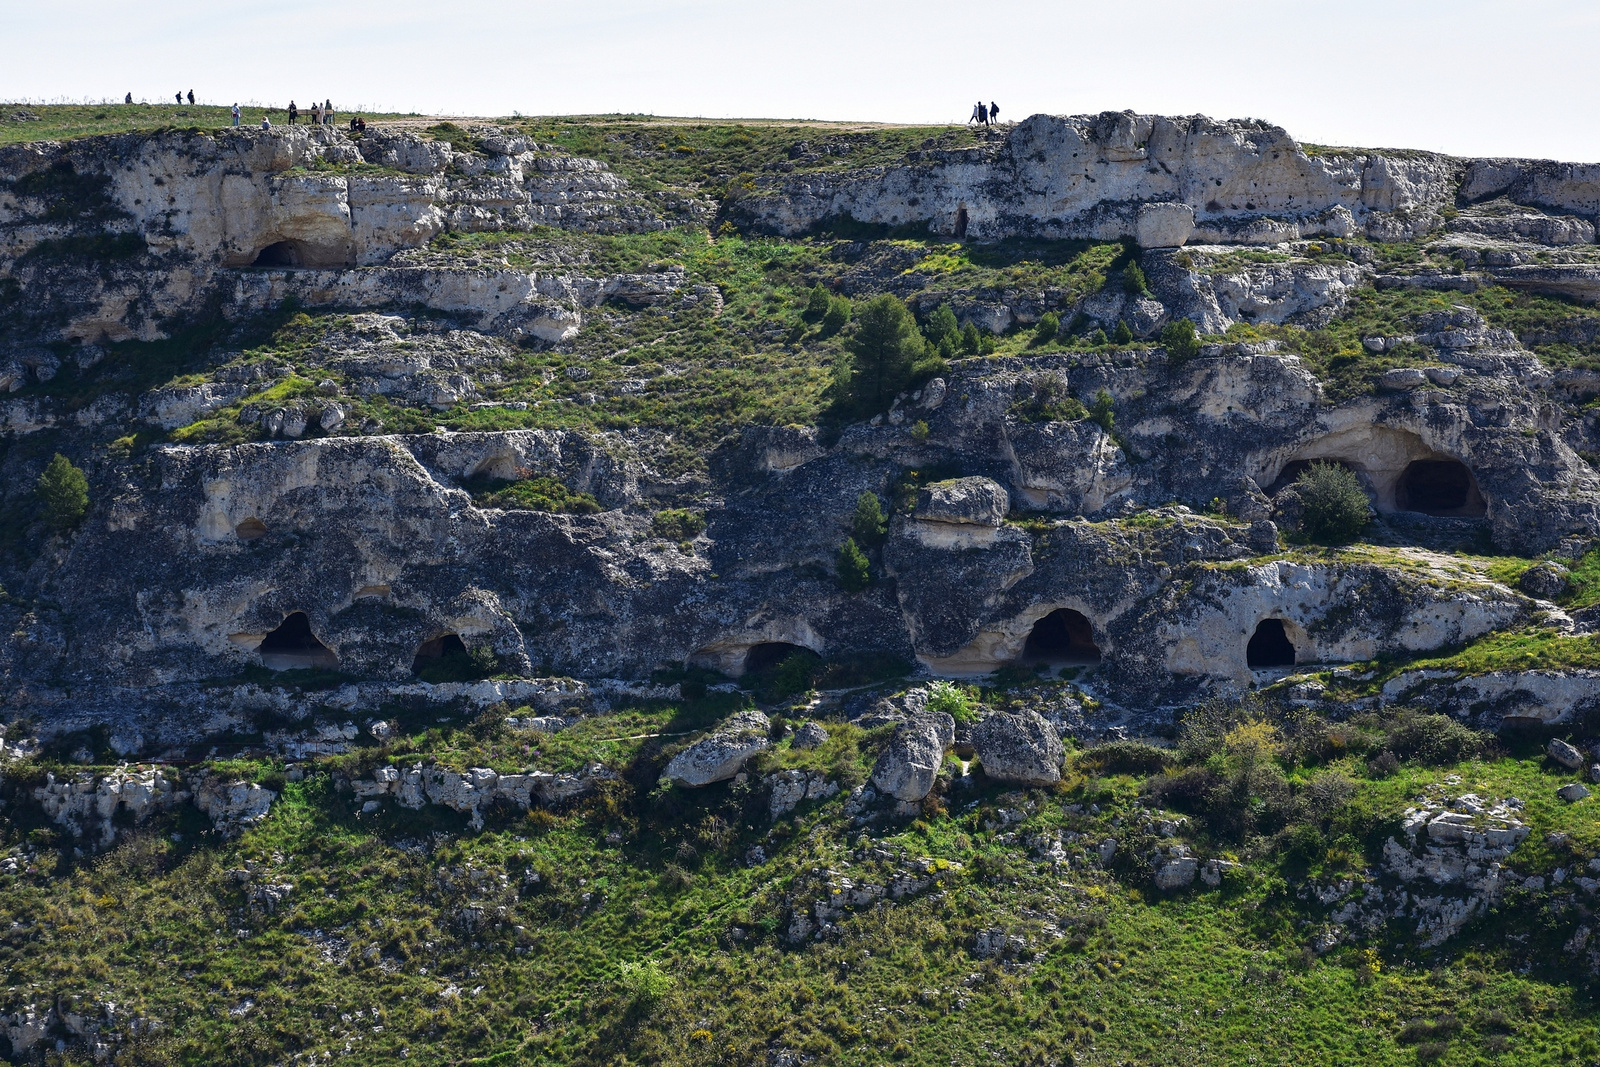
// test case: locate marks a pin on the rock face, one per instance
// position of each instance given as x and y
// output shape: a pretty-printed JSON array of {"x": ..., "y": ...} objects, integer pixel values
[
  {"x": 718, "y": 756},
  {"x": 476, "y": 789},
  {"x": 1020, "y": 748},
  {"x": 1564, "y": 753},
  {"x": 911, "y": 760}
]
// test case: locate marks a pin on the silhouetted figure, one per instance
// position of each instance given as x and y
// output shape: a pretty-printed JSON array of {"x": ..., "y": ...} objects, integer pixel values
[
  {"x": 994, "y": 112},
  {"x": 974, "y": 117},
  {"x": 178, "y": 96},
  {"x": 983, "y": 114},
  {"x": 191, "y": 97},
  {"x": 236, "y": 114},
  {"x": 128, "y": 99},
  {"x": 327, "y": 112},
  {"x": 316, "y": 113},
  {"x": 294, "y": 112}
]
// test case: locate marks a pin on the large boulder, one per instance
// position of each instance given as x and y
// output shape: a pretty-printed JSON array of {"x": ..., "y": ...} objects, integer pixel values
[
  {"x": 911, "y": 760},
  {"x": 964, "y": 501},
  {"x": 1018, "y": 747},
  {"x": 718, "y": 756}
]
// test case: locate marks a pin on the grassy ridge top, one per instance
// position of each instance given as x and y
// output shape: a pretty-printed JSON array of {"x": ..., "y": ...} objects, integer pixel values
[{"x": 20, "y": 123}]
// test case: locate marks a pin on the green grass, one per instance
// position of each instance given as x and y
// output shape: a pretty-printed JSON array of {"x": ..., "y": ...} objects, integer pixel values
[{"x": 60, "y": 122}]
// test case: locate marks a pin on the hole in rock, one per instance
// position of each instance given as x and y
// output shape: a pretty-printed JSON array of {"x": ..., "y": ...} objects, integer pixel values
[
  {"x": 1270, "y": 646},
  {"x": 279, "y": 254},
  {"x": 447, "y": 659},
  {"x": 961, "y": 222},
  {"x": 769, "y": 654},
  {"x": 1439, "y": 487},
  {"x": 437, "y": 648},
  {"x": 250, "y": 529},
  {"x": 1062, "y": 637},
  {"x": 1296, "y": 467},
  {"x": 293, "y": 646}
]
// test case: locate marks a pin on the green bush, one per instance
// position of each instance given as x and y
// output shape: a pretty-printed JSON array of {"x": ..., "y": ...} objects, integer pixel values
[
  {"x": 644, "y": 984},
  {"x": 869, "y": 524},
  {"x": 65, "y": 492},
  {"x": 1437, "y": 740},
  {"x": 1133, "y": 280},
  {"x": 1099, "y": 337},
  {"x": 883, "y": 354},
  {"x": 855, "y": 571},
  {"x": 1336, "y": 507},
  {"x": 839, "y": 313},
  {"x": 1127, "y": 757},
  {"x": 1045, "y": 332},
  {"x": 817, "y": 303},
  {"x": 1102, "y": 411},
  {"x": 1178, "y": 337},
  {"x": 953, "y": 700},
  {"x": 541, "y": 493},
  {"x": 942, "y": 328},
  {"x": 678, "y": 524},
  {"x": 1122, "y": 335},
  {"x": 458, "y": 666},
  {"x": 971, "y": 343}
]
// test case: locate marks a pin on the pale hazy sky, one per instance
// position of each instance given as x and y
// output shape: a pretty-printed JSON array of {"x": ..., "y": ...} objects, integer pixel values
[{"x": 1512, "y": 77}]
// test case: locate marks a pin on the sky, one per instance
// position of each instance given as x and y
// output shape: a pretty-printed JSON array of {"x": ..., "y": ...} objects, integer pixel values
[{"x": 1510, "y": 77}]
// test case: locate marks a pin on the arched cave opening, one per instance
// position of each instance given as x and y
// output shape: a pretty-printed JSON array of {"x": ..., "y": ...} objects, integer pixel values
[
  {"x": 961, "y": 223},
  {"x": 1062, "y": 637},
  {"x": 279, "y": 254},
  {"x": 1293, "y": 469},
  {"x": 769, "y": 654},
  {"x": 1269, "y": 646},
  {"x": 250, "y": 529},
  {"x": 1443, "y": 487},
  {"x": 446, "y": 658},
  {"x": 293, "y": 646}
]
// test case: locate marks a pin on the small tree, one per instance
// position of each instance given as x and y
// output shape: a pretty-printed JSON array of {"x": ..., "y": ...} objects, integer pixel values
[
  {"x": 1179, "y": 339},
  {"x": 1045, "y": 332},
  {"x": 869, "y": 525},
  {"x": 971, "y": 343},
  {"x": 838, "y": 314},
  {"x": 1099, "y": 337},
  {"x": 885, "y": 347},
  {"x": 855, "y": 572},
  {"x": 1102, "y": 412},
  {"x": 817, "y": 303},
  {"x": 65, "y": 492},
  {"x": 942, "y": 327},
  {"x": 1336, "y": 507},
  {"x": 1133, "y": 280},
  {"x": 1123, "y": 335}
]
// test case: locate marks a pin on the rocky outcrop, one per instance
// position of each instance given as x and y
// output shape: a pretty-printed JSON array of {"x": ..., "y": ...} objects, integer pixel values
[
  {"x": 913, "y": 756},
  {"x": 789, "y": 788},
  {"x": 1019, "y": 748},
  {"x": 475, "y": 790},
  {"x": 720, "y": 754},
  {"x": 91, "y": 806}
]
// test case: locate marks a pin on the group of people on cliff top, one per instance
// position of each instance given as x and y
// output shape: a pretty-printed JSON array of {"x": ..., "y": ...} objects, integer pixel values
[
  {"x": 985, "y": 116},
  {"x": 321, "y": 114}
]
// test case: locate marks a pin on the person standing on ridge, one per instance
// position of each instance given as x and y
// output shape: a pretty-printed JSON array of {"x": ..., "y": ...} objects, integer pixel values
[
  {"x": 191, "y": 97},
  {"x": 294, "y": 112},
  {"x": 236, "y": 114},
  {"x": 974, "y": 116},
  {"x": 983, "y": 114},
  {"x": 994, "y": 112},
  {"x": 327, "y": 112},
  {"x": 316, "y": 113},
  {"x": 265, "y": 124},
  {"x": 128, "y": 99},
  {"x": 178, "y": 96}
]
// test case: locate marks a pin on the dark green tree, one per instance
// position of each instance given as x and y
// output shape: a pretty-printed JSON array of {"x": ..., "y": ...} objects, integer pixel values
[
  {"x": 65, "y": 492},
  {"x": 1179, "y": 339},
  {"x": 1045, "y": 332},
  {"x": 855, "y": 572},
  {"x": 1099, "y": 338},
  {"x": 838, "y": 314},
  {"x": 1123, "y": 335},
  {"x": 1336, "y": 507},
  {"x": 869, "y": 525},
  {"x": 883, "y": 351},
  {"x": 971, "y": 343},
  {"x": 1101, "y": 411},
  {"x": 1133, "y": 280},
  {"x": 817, "y": 303},
  {"x": 942, "y": 326}
]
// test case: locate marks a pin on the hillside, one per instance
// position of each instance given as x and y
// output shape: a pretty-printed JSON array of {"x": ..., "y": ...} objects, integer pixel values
[{"x": 1103, "y": 589}]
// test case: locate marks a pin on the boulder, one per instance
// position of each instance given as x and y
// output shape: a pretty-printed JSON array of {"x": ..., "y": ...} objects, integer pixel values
[
  {"x": 811, "y": 735},
  {"x": 1546, "y": 581},
  {"x": 1175, "y": 868},
  {"x": 1572, "y": 793},
  {"x": 966, "y": 501},
  {"x": 911, "y": 760},
  {"x": 1018, "y": 748},
  {"x": 1403, "y": 378},
  {"x": 717, "y": 756},
  {"x": 1564, "y": 753}
]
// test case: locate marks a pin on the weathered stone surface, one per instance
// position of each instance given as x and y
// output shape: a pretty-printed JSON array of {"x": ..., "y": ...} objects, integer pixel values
[
  {"x": 1573, "y": 793},
  {"x": 1018, "y": 747},
  {"x": 969, "y": 501},
  {"x": 911, "y": 760},
  {"x": 789, "y": 788},
  {"x": 718, "y": 755},
  {"x": 1564, "y": 753},
  {"x": 1546, "y": 580},
  {"x": 811, "y": 735}
]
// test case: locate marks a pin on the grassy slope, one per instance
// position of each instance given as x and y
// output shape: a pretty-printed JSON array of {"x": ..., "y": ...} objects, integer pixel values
[{"x": 60, "y": 122}]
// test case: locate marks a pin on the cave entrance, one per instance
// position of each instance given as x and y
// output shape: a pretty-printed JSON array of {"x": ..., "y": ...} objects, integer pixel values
[
  {"x": 961, "y": 223},
  {"x": 446, "y": 659},
  {"x": 769, "y": 654},
  {"x": 1269, "y": 646},
  {"x": 1443, "y": 487},
  {"x": 1296, "y": 467},
  {"x": 250, "y": 530},
  {"x": 279, "y": 254},
  {"x": 1064, "y": 638},
  {"x": 292, "y": 646}
]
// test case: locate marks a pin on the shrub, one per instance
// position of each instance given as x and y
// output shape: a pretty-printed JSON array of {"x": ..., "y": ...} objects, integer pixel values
[
  {"x": 678, "y": 524},
  {"x": 1128, "y": 757},
  {"x": 953, "y": 700},
  {"x": 1101, "y": 411},
  {"x": 839, "y": 312},
  {"x": 541, "y": 493},
  {"x": 65, "y": 492},
  {"x": 869, "y": 524},
  {"x": 1433, "y": 739},
  {"x": 1122, "y": 335},
  {"x": 1178, "y": 337},
  {"x": 644, "y": 984},
  {"x": 1336, "y": 507},
  {"x": 817, "y": 303},
  {"x": 458, "y": 666},
  {"x": 883, "y": 352},
  {"x": 1045, "y": 332},
  {"x": 855, "y": 572},
  {"x": 919, "y": 431},
  {"x": 942, "y": 327},
  {"x": 1133, "y": 280},
  {"x": 1099, "y": 337},
  {"x": 971, "y": 343}
]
